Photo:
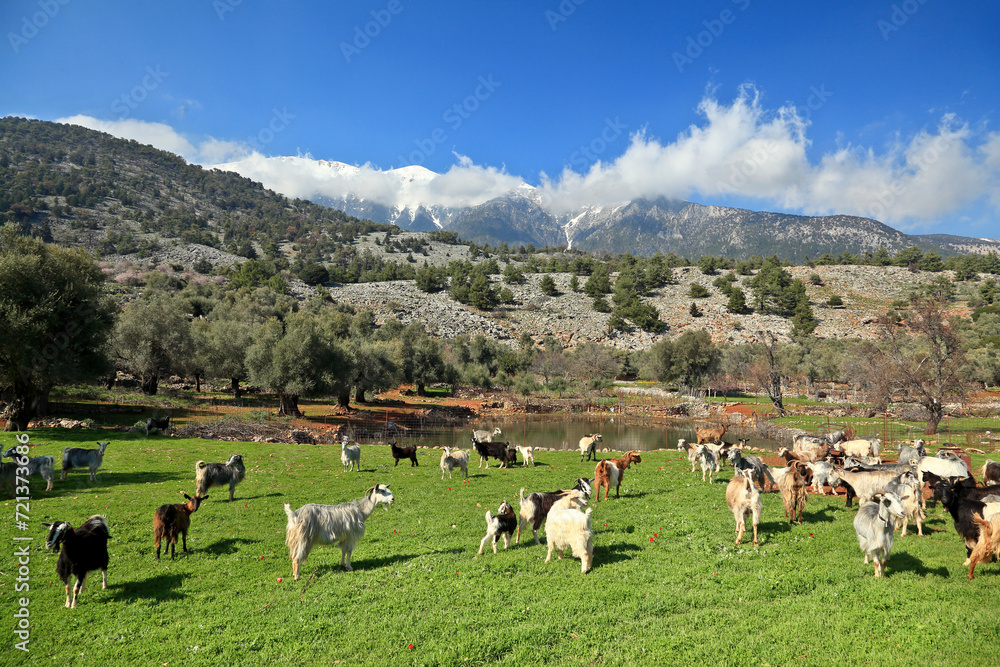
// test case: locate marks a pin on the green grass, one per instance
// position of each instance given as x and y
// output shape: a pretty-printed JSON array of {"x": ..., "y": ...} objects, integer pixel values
[{"x": 667, "y": 587}]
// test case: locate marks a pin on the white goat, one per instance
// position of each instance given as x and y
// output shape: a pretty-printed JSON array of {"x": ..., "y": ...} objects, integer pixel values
[
  {"x": 42, "y": 466},
  {"x": 569, "y": 528},
  {"x": 588, "y": 445},
  {"x": 692, "y": 451},
  {"x": 907, "y": 489},
  {"x": 743, "y": 499},
  {"x": 874, "y": 527},
  {"x": 867, "y": 483},
  {"x": 823, "y": 473},
  {"x": 349, "y": 456},
  {"x": 527, "y": 454},
  {"x": 860, "y": 447},
  {"x": 708, "y": 462},
  {"x": 485, "y": 436},
  {"x": 340, "y": 525},
  {"x": 452, "y": 458}
]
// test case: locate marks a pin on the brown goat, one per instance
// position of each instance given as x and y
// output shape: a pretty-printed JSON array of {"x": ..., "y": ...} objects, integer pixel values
[
  {"x": 710, "y": 434},
  {"x": 169, "y": 521},
  {"x": 611, "y": 472},
  {"x": 793, "y": 491}
]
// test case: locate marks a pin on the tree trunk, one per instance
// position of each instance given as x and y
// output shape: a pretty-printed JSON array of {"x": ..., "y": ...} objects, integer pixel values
[
  {"x": 149, "y": 384},
  {"x": 288, "y": 405},
  {"x": 936, "y": 412},
  {"x": 197, "y": 383},
  {"x": 420, "y": 388},
  {"x": 234, "y": 385},
  {"x": 344, "y": 398},
  {"x": 23, "y": 403},
  {"x": 359, "y": 394},
  {"x": 17, "y": 413}
]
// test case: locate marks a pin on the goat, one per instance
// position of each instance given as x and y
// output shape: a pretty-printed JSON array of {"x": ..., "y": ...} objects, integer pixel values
[
  {"x": 454, "y": 457},
  {"x": 588, "y": 445},
  {"x": 720, "y": 450},
  {"x": 207, "y": 475},
  {"x": 860, "y": 447},
  {"x": 823, "y": 473},
  {"x": 941, "y": 467},
  {"x": 42, "y": 466},
  {"x": 569, "y": 528},
  {"x": 502, "y": 525},
  {"x": 708, "y": 462},
  {"x": 910, "y": 454},
  {"x": 527, "y": 454},
  {"x": 810, "y": 449},
  {"x": 961, "y": 510},
  {"x": 991, "y": 472},
  {"x": 710, "y": 434},
  {"x": 907, "y": 489},
  {"x": 160, "y": 425},
  {"x": 403, "y": 453},
  {"x": 169, "y": 521},
  {"x": 340, "y": 525},
  {"x": 692, "y": 451},
  {"x": 83, "y": 550},
  {"x": 743, "y": 499},
  {"x": 611, "y": 472},
  {"x": 535, "y": 507},
  {"x": 75, "y": 457},
  {"x": 865, "y": 483},
  {"x": 350, "y": 456},
  {"x": 497, "y": 450},
  {"x": 874, "y": 526},
  {"x": 759, "y": 470},
  {"x": 988, "y": 544},
  {"x": 485, "y": 436},
  {"x": 793, "y": 492}
]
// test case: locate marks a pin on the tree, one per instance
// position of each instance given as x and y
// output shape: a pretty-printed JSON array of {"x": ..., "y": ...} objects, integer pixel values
[
  {"x": 152, "y": 339},
  {"x": 574, "y": 283},
  {"x": 765, "y": 371},
  {"x": 695, "y": 357},
  {"x": 526, "y": 385},
  {"x": 373, "y": 365},
  {"x": 296, "y": 358},
  {"x": 926, "y": 357},
  {"x": 694, "y": 310},
  {"x": 698, "y": 291},
  {"x": 54, "y": 323},
  {"x": 314, "y": 274},
  {"x": 548, "y": 285},
  {"x": 737, "y": 301},
  {"x": 428, "y": 364}
]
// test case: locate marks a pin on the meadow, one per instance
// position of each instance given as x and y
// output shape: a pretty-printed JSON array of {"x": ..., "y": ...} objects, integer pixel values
[{"x": 667, "y": 587}]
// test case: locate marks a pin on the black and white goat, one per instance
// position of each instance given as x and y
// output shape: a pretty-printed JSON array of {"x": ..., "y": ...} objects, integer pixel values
[
  {"x": 760, "y": 472},
  {"x": 340, "y": 525},
  {"x": 502, "y": 525},
  {"x": 535, "y": 506},
  {"x": 42, "y": 466},
  {"x": 498, "y": 450},
  {"x": 160, "y": 425},
  {"x": 76, "y": 457},
  {"x": 207, "y": 475},
  {"x": 83, "y": 549}
]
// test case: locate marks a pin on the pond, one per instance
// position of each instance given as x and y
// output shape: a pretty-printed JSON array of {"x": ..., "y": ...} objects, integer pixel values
[{"x": 620, "y": 434}]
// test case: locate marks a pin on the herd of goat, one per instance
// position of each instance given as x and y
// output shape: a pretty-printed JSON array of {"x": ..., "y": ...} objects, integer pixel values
[{"x": 890, "y": 496}]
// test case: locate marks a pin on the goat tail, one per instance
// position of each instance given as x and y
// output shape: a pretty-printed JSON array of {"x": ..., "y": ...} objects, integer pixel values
[
  {"x": 290, "y": 514},
  {"x": 520, "y": 495},
  {"x": 489, "y": 517}
]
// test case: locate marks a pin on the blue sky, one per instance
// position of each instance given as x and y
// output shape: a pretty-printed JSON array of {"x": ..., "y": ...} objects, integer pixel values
[{"x": 885, "y": 109}]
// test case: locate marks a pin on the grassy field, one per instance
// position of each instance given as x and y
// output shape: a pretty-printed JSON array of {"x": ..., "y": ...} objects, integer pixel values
[{"x": 667, "y": 587}]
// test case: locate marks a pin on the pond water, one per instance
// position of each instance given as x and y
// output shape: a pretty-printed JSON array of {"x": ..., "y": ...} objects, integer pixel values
[{"x": 620, "y": 434}]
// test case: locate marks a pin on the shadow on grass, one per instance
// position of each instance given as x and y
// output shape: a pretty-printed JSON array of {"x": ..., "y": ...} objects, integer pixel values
[
  {"x": 160, "y": 587},
  {"x": 614, "y": 553},
  {"x": 230, "y": 545},
  {"x": 904, "y": 562},
  {"x": 224, "y": 497},
  {"x": 821, "y": 515},
  {"x": 81, "y": 481},
  {"x": 366, "y": 564}
]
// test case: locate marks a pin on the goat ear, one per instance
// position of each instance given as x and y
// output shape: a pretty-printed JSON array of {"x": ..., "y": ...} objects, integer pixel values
[
  {"x": 47, "y": 525},
  {"x": 185, "y": 495}
]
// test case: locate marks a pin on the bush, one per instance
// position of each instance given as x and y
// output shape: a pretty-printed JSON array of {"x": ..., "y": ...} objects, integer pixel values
[
  {"x": 698, "y": 291},
  {"x": 835, "y": 301}
]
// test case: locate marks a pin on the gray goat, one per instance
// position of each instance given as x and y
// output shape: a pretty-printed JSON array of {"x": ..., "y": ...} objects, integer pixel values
[
  {"x": 207, "y": 475},
  {"x": 42, "y": 466},
  {"x": 874, "y": 526},
  {"x": 75, "y": 457}
]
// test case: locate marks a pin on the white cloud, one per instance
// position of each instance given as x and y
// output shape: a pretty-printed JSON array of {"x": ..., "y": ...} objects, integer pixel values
[{"x": 739, "y": 149}]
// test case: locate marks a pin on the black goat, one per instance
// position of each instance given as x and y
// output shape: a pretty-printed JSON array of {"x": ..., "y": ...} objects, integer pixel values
[
  {"x": 404, "y": 453},
  {"x": 159, "y": 424},
  {"x": 83, "y": 550},
  {"x": 961, "y": 510},
  {"x": 497, "y": 450}
]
